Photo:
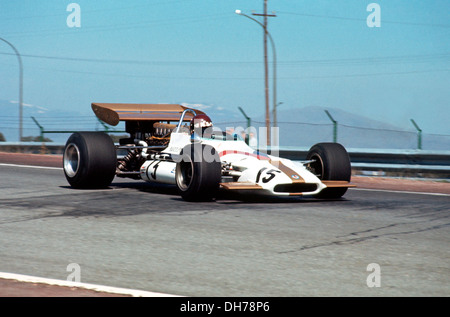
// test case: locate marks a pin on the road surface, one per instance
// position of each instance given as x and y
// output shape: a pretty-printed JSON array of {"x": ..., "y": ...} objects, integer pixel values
[{"x": 139, "y": 236}]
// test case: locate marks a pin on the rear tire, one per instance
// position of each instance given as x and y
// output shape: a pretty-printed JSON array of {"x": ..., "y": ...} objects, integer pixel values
[
  {"x": 198, "y": 175},
  {"x": 89, "y": 160},
  {"x": 331, "y": 163}
]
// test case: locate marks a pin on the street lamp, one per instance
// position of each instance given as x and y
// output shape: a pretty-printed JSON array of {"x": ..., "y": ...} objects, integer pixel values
[
  {"x": 274, "y": 114},
  {"x": 20, "y": 87},
  {"x": 239, "y": 12}
]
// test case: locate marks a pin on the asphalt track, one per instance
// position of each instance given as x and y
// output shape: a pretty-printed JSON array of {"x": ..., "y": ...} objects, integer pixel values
[{"x": 141, "y": 236}]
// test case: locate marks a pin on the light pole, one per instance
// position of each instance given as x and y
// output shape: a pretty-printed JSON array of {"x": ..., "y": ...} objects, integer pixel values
[
  {"x": 274, "y": 114},
  {"x": 20, "y": 88},
  {"x": 266, "y": 32}
]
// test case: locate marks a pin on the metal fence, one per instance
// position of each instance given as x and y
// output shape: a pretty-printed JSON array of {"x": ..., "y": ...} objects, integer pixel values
[
  {"x": 297, "y": 134},
  {"x": 290, "y": 134}
]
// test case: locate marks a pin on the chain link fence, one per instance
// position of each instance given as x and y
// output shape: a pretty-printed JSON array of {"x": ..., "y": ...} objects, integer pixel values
[
  {"x": 290, "y": 134},
  {"x": 298, "y": 134}
]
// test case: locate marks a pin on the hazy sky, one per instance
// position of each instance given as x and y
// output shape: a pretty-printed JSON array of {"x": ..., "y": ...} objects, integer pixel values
[{"x": 200, "y": 51}]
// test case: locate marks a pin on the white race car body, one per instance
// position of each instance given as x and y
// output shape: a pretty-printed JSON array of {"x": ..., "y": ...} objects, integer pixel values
[
  {"x": 162, "y": 149},
  {"x": 244, "y": 168}
]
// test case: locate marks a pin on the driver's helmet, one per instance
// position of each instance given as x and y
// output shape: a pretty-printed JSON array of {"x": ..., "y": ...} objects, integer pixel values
[{"x": 200, "y": 121}]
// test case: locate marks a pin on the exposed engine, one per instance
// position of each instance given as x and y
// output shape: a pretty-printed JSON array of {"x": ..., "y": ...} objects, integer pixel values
[{"x": 144, "y": 140}]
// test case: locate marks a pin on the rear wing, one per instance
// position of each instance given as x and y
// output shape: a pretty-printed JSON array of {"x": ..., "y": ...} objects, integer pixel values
[{"x": 113, "y": 113}]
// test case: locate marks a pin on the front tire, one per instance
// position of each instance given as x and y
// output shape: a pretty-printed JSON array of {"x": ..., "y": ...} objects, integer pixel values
[
  {"x": 198, "y": 173},
  {"x": 89, "y": 160},
  {"x": 331, "y": 163}
]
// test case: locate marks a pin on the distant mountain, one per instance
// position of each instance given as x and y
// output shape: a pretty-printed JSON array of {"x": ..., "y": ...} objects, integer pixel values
[
  {"x": 299, "y": 127},
  {"x": 60, "y": 120},
  {"x": 303, "y": 127},
  {"x": 218, "y": 114}
]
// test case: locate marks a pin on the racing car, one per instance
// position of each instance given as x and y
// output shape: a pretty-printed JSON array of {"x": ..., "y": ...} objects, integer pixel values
[{"x": 178, "y": 145}]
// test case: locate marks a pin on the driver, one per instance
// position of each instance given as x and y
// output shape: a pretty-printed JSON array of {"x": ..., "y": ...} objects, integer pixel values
[{"x": 200, "y": 123}]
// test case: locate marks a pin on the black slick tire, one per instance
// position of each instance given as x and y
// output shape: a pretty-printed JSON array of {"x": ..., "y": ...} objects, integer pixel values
[
  {"x": 89, "y": 160},
  {"x": 332, "y": 162},
  {"x": 198, "y": 173}
]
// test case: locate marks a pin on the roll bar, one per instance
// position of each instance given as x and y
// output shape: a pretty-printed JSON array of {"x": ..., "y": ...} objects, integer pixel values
[{"x": 182, "y": 118}]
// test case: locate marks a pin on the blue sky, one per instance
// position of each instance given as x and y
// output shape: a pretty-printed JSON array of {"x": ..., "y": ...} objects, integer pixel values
[{"x": 201, "y": 52}]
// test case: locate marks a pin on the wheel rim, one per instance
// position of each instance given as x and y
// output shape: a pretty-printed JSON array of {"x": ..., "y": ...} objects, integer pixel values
[
  {"x": 184, "y": 175},
  {"x": 316, "y": 167},
  {"x": 71, "y": 160}
]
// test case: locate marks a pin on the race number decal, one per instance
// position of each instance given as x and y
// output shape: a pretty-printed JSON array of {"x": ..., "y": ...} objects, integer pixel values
[{"x": 270, "y": 174}]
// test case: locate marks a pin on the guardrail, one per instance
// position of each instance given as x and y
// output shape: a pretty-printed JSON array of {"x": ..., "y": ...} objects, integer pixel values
[
  {"x": 376, "y": 162},
  {"x": 384, "y": 156},
  {"x": 384, "y": 162}
]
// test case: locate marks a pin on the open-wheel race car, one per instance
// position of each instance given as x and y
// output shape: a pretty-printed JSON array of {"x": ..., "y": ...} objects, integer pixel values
[{"x": 177, "y": 145}]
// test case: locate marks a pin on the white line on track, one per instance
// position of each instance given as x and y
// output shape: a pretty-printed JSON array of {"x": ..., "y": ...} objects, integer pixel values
[
  {"x": 93, "y": 287},
  {"x": 31, "y": 166},
  {"x": 399, "y": 191}
]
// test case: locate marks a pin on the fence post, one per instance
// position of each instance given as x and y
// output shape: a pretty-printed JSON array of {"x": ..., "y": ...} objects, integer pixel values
[
  {"x": 104, "y": 125},
  {"x": 41, "y": 129},
  {"x": 41, "y": 136},
  {"x": 419, "y": 134},
  {"x": 247, "y": 136},
  {"x": 335, "y": 123}
]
